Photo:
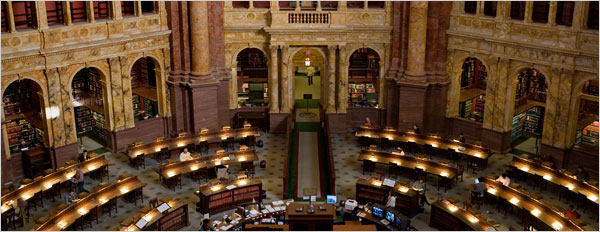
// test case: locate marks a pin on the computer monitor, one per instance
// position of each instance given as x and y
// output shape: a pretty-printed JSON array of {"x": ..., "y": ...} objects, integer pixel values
[
  {"x": 331, "y": 199},
  {"x": 390, "y": 216},
  {"x": 378, "y": 211},
  {"x": 476, "y": 180}
]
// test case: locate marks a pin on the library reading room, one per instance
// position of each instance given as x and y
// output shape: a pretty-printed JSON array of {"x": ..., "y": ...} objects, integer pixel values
[{"x": 299, "y": 115}]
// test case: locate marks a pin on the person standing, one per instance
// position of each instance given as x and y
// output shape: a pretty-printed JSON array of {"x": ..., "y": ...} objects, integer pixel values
[
  {"x": 420, "y": 186},
  {"x": 310, "y": 71},
  {"x": 79, "y": 179}
]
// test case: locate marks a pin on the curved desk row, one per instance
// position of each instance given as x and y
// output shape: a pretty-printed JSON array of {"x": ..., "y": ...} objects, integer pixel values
[
  {"x": 194, "y": 165},
  {"x": 243, "y": 216},
  {"x": 447, "y": 216},
  {"x": 523, "y": 201},
  {"x": 52, "y": 180},
  {"x": 94, "y": 201},
  {"x": 180, "y": 142},
  {"x": 409, "y": 162},
  {"x": 407, "y": 199},
  {"x": 556, "y": 177},
  {"x": 473, "y": 151}
]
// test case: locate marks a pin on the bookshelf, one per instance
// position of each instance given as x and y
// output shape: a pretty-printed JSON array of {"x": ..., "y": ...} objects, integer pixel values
[
  {"x": 84, "y": 120},
  {"x": 366, "y": 192},
  {"x": 222, "y": 198},
  {"x": 517, "y": 126},
  {"x": 588, "y": 136},
  {"x": 174, "y": 220},
  {"x": 533, "y": 121},
  {"x": 474, "y": 74},
  {"x": 99, "y": 125},
  {"x": 362, "y": 93},
  {"x": 531, "y": 85},
  {"x": 22, "y": 113}
]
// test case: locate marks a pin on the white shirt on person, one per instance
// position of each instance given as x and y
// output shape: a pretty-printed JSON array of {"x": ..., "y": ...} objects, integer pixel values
[
  {"x": 185, "y": 156},
  {"x": 504, "y": 181}
]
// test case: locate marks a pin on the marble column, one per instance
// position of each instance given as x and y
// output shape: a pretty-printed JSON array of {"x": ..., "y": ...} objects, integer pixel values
[
  {"x": 11, "y": 16},
  {"x": 342, "y": 82},
  {"x": 199, "y": 38},
  {"x": 331, "y": 79},
  {"x": 578, "y": 15},
  {"x": 417, "y": 35},
  {"x": 285, "y": 90},
  {"x": 552, "y": 13},
  {"x": 273, "y": 81}
]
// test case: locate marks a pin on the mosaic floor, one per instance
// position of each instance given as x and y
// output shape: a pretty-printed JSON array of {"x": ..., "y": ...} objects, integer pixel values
[{"x": 347, "y": 169}]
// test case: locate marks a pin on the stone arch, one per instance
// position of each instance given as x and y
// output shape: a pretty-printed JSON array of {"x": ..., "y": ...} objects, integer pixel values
[
  {"x": 240, "y": 49},
  {"x": 103, "y": 74},
  {"x": 292, "y": 52},
  {"x": 106, "y": 92},
  {"x": 353, "y": 49}
]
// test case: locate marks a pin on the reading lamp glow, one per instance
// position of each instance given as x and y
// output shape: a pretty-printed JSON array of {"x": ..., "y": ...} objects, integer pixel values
[
  {"x": 444, "y": 174},
  {"x": 473, "y": 219},
  {"x": 492, "y": 191},
  {"x": 547, "y": 177},
  {"x": 557, "y": 225},
  {"x": 215, "y": 188},
  {"x": 514, "y": 201},
  {"x": 535, "y": 212}
]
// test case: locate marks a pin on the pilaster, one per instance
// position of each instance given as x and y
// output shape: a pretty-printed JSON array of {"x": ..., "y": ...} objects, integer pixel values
[
  {"x": 285, "y": 82},
  {"x": 331, "y": 49},
  {"x": 273, "y": 81},
  {"x": 417, "y": 36}
]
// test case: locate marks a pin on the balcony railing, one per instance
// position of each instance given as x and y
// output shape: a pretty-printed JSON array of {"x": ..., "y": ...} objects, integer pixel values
[{"x": 308, "y": 18}]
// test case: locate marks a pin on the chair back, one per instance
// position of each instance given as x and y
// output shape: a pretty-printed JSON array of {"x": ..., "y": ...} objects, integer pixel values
[{"x": 153, "y": 202}]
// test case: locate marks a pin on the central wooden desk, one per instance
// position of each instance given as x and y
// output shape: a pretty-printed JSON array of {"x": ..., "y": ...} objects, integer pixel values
[
  {"x": 221, "y": 197},
  {"x": 94, "y": 201},
  {"x": 173, "y": 219},
  {"x": 556, "y": 177},
  {"x": 240, "y": 220},
  {"x": 447, "y": 216},
  {"x": 409, "y": 162},
  {"x": 180, "y": 142},
  {"x": 52, "y": 180},
  {"x": 538, "y": 209},
  {"x": 319, "y": 220},
  {"x": 175, "y": 170},
  {"x": 475, "y": 152}
]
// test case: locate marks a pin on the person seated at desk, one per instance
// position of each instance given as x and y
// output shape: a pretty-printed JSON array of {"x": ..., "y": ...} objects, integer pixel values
[
  {"x": 399, "y": 151},
  {"x": 185, "y": 155},
  {"x": 504, "y": 179},
  {"x": 420, "y": 187},
  {"x": 571, "y": 213},
  {"x": 83, "y": 156},
  {"x": 204, "y": 225},
  {"x": 581, "y": 174},
  {"x": 70, "y": 197},
  {"x": 461, "y": 138},
  {"x": 416, "y": 130},
  {"x": 480, "y": 187},
  {"x": 368, "y": 122}
]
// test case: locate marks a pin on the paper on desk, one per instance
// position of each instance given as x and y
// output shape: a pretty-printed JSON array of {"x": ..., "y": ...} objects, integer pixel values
[
  {"x": 389, "y": 182},
  {"x": 278, "y": 202},
  {"x": 230, "y": 187},
  {"x": 225, "y": 227},
  {"x": 254, "y": 212},
  {"x": 265, "y": 211},
  {"x": 271, "y": 210}
]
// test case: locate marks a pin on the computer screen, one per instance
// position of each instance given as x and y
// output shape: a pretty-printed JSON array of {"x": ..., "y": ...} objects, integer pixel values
[
  {"x": 390, "y": 217},
  {"x": 476, "y": 181},
  {"x": 331, "y": 199},
  {"x": 377, "y": 212}
]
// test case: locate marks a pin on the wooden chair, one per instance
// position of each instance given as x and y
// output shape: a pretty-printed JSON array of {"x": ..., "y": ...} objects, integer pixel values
[
  {"x": 443, "y": 182},
  {"x": 203, "y": 147},
  {"x": 109, "y": 206},
  {"x": 368, "y": 166},
  {"x": 250, "y": 141},
  {"x": 476, "y": 199},
  {"x": 385, "y": 144},
  {"x": 473, "y": 166},
  {"x": 393, "y": 169}
]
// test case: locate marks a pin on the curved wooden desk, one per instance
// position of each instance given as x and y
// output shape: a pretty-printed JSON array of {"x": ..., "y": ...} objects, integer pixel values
[
  {"x": 556, "y": 177},
  {"x": 47, "y": 182},
  {"x": 538, "y": 209},
  {"x": 69, "y": 215},
  {"x": 446, "y": 216},
  {"x": 409, "y": 162},
  {"x": 194, "y": 165},
  {"x": 179, "y": 142},
  {"x": 477, "y": 152}
]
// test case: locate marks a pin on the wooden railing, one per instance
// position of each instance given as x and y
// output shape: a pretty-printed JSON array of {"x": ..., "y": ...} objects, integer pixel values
[
  {"x": 289, "y": 126},
  {"x": 308, "y": 18},
  {"x": 330, "y": 158}
]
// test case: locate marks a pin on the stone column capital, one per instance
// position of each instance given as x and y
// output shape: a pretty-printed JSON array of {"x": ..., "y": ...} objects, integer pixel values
[{"x": 273, "y": 47}]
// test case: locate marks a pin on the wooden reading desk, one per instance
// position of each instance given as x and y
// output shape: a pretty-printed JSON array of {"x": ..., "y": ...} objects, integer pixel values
[
  {"x": 180, "y": 142},
  {"x": 52, "y": 180},
  {"x": 478, "y": 153},
  {"x": 176, "y": 169},
  {"x": 544, "y": 213},
  {"x": 409, "y": 162},
  {"x": 556, "y": 177},
  {"x": 93, "y": 201},
  {"x": 447, "y": 216},
  {"x": 241, "y": 218},
  {"x": 304, "y": 220}
]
